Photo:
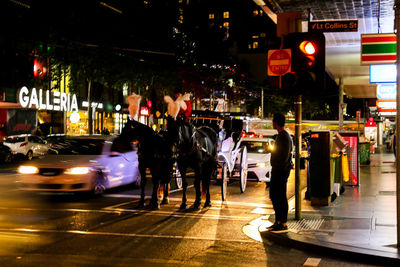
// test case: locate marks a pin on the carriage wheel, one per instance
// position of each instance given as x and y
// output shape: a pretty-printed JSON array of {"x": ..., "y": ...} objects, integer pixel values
[
  {"x": 224, "y": 180},
  {"x": 177, "y": 176},
  {"x": 243, "y": 169}
]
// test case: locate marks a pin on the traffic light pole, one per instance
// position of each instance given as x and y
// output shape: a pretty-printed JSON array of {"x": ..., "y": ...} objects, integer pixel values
[
  {"x": 397, "y": 26},
  {"x": 297, "y": 106}
]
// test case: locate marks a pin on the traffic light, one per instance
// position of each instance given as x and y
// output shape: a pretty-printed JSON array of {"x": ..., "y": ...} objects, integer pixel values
[{"x": 308, "y": 61}]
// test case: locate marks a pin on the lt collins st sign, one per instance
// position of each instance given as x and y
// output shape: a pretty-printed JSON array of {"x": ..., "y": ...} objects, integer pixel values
[{"x": 333, "y": 26}]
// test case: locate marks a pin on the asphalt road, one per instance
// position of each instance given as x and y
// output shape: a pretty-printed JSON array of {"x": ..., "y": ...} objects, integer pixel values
[{"x": 80, "y": 230}]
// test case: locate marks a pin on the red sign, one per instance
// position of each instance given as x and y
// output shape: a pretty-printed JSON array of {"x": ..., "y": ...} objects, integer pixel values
[
  {"x": 144, "y": 111},
  {"x": 279, "y": 62}
]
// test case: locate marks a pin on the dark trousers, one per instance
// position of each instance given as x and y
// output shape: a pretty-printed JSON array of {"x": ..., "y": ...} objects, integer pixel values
[{"x": 277, "y": 193}]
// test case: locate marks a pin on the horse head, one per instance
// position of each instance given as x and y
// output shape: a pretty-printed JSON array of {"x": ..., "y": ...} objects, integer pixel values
[{"x": 180, "y": 133}]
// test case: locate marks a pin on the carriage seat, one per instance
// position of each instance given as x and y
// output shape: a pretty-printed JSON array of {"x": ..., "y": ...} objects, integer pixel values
[{"x": 227, "y": 145}]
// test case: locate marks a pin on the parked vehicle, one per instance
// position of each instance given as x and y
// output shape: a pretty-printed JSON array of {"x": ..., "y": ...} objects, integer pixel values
[
  {"x": 6, "y": 155},
  {"x": 26, "y": 145},
  {"x": 82, "y": 163}
]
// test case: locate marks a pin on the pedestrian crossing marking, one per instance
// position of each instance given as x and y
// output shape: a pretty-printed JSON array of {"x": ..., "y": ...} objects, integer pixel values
[{"x": 312, "y": 262}]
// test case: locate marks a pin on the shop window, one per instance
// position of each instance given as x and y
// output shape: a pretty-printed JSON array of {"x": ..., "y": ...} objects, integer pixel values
[
  {"x": 255, "y": 45},
  {"x": 226, "y": 24},
  {"x": 263, "y": 34},
  {"x": 211, "y": 16},
  {"x": 255, "y": 37},
  {"x": 226, "y": 15},
  {"x": 249, "y": 46},
  {"x": 255, "y": 12}
]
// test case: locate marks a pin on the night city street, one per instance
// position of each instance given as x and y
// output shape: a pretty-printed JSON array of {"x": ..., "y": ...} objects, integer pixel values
[
  {"x": 69, "y": 230},
  {"x": 199, "y": 133}
]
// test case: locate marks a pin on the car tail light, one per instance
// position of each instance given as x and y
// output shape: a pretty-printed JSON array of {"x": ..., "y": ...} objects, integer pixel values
[
  {"x": 252, "y": 135},
  {"x": 24, "y": 144},
  {"x": 243, "y": 134}
]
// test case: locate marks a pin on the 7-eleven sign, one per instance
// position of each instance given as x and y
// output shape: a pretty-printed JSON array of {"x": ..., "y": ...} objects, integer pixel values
[{"x": 378, "y": 48}]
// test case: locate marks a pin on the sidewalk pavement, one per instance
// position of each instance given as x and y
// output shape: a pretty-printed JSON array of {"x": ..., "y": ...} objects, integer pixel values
[{"x": 359, "y": 224}]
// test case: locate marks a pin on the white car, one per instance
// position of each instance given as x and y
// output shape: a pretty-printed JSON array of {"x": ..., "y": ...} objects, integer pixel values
[
  {"x": 90, "y": 163},
  {"x": 259, "y": 158},
  {"x": 27, "y": 145}
]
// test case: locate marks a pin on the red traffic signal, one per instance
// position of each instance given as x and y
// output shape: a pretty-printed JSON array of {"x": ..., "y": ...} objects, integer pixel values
[
  {"x": 308, "y": 48},
  {"x": 308, "y": 60}
]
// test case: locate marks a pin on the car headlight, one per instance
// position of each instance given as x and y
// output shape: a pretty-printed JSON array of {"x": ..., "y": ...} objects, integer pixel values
[
  {"x": 77, "y": 170},
  {"x": 261, "y": 164},
  {"x": 271, "y": 147},
  {"x": 28, "y": 169}
]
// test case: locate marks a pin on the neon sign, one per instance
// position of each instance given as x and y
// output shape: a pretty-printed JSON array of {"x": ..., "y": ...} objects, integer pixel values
[{"x": 45, "y": 99}]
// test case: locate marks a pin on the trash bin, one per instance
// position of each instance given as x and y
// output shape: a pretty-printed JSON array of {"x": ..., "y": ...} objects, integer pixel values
[
  {"x": 321, "y": 179},
  {"x": 365, "y": 153}
]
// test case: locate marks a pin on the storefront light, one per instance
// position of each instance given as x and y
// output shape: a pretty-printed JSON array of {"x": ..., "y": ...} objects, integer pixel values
[{"x": 74, "y": 118}]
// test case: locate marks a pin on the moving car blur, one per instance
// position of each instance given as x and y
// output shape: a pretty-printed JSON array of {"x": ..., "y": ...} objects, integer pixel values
[
  {"x": 82, "y": 163},
  {"x": 6, "y": 155}
]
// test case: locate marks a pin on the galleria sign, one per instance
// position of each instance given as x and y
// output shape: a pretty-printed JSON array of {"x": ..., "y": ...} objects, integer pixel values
[{"x": 45, "y": 99}]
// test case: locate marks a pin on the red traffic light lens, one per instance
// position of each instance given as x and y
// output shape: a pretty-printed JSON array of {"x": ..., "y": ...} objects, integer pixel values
[{"x": 308, "y": 48}]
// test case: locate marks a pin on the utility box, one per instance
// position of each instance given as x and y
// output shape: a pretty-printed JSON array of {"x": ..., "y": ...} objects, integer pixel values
[{"x": 321, "y": 169}]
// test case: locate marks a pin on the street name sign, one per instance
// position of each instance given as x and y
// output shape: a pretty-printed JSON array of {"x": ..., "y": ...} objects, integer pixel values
[
  {"x": 333, "y": 26},
  {"x": 279, "y": 61},
  {"x": 378, "y": 48}
]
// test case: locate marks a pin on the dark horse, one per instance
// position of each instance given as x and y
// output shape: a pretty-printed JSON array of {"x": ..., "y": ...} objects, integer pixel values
[
  {"x": 196, "y": 148},
  {"x": 155, "y": 153}
]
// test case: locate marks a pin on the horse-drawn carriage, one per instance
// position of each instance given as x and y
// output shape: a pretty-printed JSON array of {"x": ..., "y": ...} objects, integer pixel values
[{"x": 232, "y": 156}]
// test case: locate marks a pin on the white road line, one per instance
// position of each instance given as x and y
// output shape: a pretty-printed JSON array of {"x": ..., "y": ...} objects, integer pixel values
[
  {"x": 176, "y": 214},
  {"x": 26, "y": 230}
]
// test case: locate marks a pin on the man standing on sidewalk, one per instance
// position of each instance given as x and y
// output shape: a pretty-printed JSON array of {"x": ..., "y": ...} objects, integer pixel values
[{"x": 281, "y": 162}]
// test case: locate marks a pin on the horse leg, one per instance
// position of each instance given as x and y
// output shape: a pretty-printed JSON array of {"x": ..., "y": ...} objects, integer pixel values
[
  {"x": 184, "y": 187},
  {"x": 206, "y": 185},
  {"x": 197, "y": 180},
  {"x": 166, "y": 188},
  {"x": 154, "y": 197},
  {"x": 142, "y": 170}
]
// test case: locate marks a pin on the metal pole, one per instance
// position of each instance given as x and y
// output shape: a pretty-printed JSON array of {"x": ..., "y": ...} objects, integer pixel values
[
  {"x": 297, "y": 106},
  {"x": 397, "y": 26},
  {"x": 341, "y": 106},
  {"x": 262, "y": 103}
]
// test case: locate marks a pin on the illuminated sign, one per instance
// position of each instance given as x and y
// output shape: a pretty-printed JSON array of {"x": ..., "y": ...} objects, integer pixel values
[
  {"x": 386, "y": 91},
  {"x": 386, "y": 73},
  {"x": 386, "y": 106},
  {"x": 74, "y": 118},
  {"x": 47, "y": 100},
  {"x": 333, "y": 26},
  {"x": 144, "y": 111}
]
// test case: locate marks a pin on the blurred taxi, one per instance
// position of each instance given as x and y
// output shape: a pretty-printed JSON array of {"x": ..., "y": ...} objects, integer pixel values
[
  {"x": 84, "y": 163},
  {"x": 258, "y": 157}
]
